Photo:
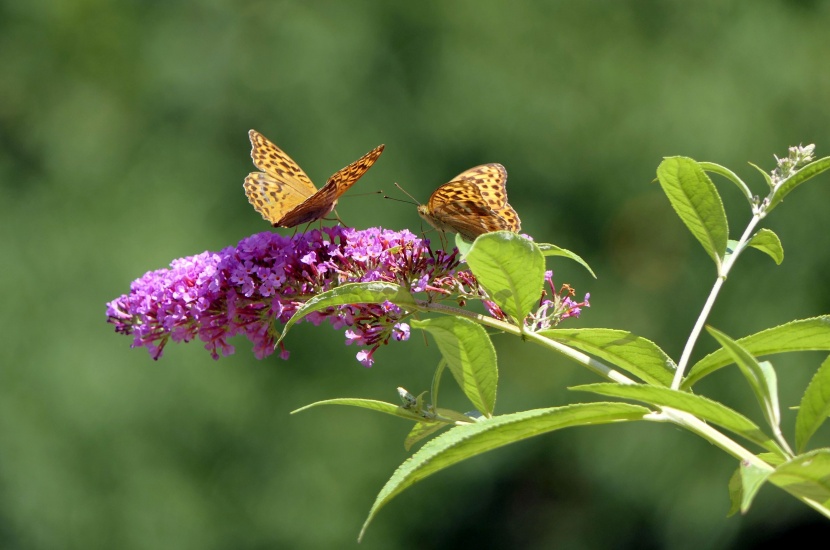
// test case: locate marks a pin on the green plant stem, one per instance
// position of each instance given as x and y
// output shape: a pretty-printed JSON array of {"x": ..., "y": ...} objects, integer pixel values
[
  {"x": 666, "y": 414},
  {"x": 726, "y": 266}
]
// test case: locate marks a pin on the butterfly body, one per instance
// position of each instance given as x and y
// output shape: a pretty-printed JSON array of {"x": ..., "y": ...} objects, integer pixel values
[
  {"x": 284, "y": 195},
  {"x": 473, "y": 203}
]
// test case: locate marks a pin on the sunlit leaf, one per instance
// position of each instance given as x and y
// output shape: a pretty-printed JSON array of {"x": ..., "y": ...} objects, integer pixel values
[
  {"x": 695, "y": 199},
  {"x": 799, "y": 335},
  {"x": 553, "y": 250},
  {"x": 768, "y": 242},
  {"x": 703, "y": 408},
  {"x": 465, "y": 442},
  {"x": 761, "y": 376},
  {"x": 807, "y": 475},
  {"x": 631, "y": 353},
  {"x": 371, "y": 404},
  {"x": 352, "y": 293},
  {"x": 470, "y": 355},
  {"x": 511, "y": 269},
  {"x": 807, "y": 172},
  {"x": 728, "y": 174}
]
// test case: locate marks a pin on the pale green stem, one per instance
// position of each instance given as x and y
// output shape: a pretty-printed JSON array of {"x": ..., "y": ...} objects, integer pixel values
[
  {"x": 597, "y": 366},
  {"x": 725, "y": 267}
]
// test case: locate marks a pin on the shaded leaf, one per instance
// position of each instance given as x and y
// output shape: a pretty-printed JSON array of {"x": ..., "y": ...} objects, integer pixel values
[
  {"x": 752, "y": 478},
  {"x": 815, "y": 406}
]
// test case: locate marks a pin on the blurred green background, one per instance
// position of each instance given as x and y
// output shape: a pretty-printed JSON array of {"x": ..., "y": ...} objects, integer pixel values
[{"x": 123, "y": 145}]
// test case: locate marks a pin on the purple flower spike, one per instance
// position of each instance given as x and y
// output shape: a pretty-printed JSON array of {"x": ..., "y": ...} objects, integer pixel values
[
  {"x": 268, "y": 277},
  {"x": 243, "y": 289}
]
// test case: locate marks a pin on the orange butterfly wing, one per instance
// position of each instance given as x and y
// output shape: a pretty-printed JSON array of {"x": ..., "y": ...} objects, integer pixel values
[
  {"x": 473, "y": 203},
  {"x": 323, "y": 201},
  {"x": 284, "y": 195}
]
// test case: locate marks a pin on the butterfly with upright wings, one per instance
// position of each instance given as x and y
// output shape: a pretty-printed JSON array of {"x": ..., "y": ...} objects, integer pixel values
[
  {"x": 473, "y": 203},
  {"x": 284, "y": 194}
]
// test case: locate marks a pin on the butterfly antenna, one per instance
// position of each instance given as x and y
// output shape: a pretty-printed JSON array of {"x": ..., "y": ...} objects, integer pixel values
[
  {"x": 405, "y": 193},
  {"x": 350, "y": 195}
]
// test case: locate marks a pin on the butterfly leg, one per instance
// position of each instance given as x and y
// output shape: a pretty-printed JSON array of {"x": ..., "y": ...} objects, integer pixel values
[{"x": 337, "y": 217}]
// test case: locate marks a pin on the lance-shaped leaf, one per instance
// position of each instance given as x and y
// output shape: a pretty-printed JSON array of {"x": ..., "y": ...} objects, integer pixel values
[
  {"x": 799, "y": 335},
  {"x": 768, "y": 242},
  {"x": 751, "y": 477},
  {"x": 807, "y": 476},
  {"x": 352, "y": 293},
  {"x": 695, "y": 199},
  {"x": 815, "y": 406},
  {"x": 465, "y": 442},
  {"x": 470, "y": 355},
  {"x": 788, "y": 185},
  {"x": 371, "y": 404},
  {"x": 764, "y": 173},
  {"x": 553, "y": 250},
  {"x": 703, "y": 408},
  {"x": 761, "y": 377},
  {"x": 730, "y": 175},
  {"x": 631, "y": 353},
  {"x": 511, "y": 269}
]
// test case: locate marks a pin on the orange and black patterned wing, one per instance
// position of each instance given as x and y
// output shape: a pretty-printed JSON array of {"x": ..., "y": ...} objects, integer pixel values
[
  {"x": 491, "y": 181},
  {"x": 323, "y": 201},
  {"x": 282, "y": 184},
  {"x": 473, "y": 203}
]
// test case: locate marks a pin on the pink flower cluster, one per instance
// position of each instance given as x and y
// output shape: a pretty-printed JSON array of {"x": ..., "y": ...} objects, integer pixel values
[
  {"x": 244, "y": 289},
  {"x": 267, "y": 277}
]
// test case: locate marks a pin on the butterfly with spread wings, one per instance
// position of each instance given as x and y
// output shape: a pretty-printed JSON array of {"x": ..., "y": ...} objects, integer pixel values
[
  {"x": 284, "y": 194},
  {"x": 473, "y": 203}
]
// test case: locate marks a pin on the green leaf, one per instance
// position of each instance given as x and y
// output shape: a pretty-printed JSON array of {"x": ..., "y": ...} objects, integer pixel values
[
  {"x": 752, "y": 478},
  {"x": 704, "y": 408},
  {"x": 511, "y": 269},
  {"x": 465, "y": 442},
  {"x": 462, "y": 245},
  {"x": 553, "y": 250},
  {"x": 728, "y": 174},
  {"x": 352, "y": 293},
  {"x": 371, "y": 404},
  {"x": 470, "y": 355},
  {"x": 735, "y": 492},
  {"x": 768, "y": 242},
  {"x": 815, "y": 406},
  {"x": 761, "y": 377},
  {"x": 764, "y": 173},
  {"x": 695, "y": 199},
  {"x": 631, "y": 353},
  {"x": 788, "y": 185},
  {"x": 800, "y": 335},
  {"x": 420, "y": 431},
  {"x": 807, "y": 476}
]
